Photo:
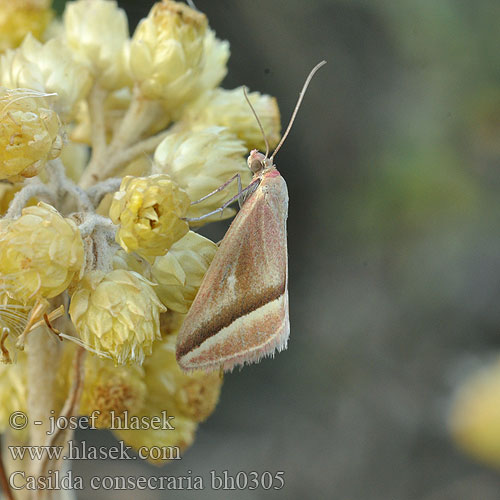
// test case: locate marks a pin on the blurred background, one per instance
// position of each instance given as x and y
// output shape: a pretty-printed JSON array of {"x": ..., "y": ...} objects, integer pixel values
[{"x": 393, "y": 169}]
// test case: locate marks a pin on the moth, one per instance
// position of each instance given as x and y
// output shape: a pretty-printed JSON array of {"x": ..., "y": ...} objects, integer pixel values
[{"x": 240, "y": 313}]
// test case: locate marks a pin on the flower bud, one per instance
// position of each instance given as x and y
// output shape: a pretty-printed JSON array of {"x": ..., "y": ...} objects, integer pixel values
[
  {"x": 117, "y": 314},
  {"x": 229, "y": 108},
  {"x": 20, "y": 17},
  {"x": 180, "y": 271},
  {"x": 200, "y": 161},
  {"x": 29, "y": 133},
  {"x": 149, "y": 211},
  {"x": 40, "y": 253},
  {"x": 48, "y": 68},
  {"x": 166, "y": 52},
  {"x": 97, "y": 33},
  {"x": 108, "y": 388}
]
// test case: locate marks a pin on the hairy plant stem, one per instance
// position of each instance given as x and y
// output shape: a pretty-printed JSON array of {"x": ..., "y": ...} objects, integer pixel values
[
  {"x": 69, "y": 409},
  {"x": 96, "y": 111},
  {"x": 42, "y": 355}
]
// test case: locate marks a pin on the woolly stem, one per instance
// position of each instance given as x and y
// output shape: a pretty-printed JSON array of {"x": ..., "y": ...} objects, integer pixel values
[
  {"x": 34, "y": 188},
  {"x": 69, "y": 409},
  {"x": 96, "y": 111},
  {"x": 97, "y": 192},
  {"x": 93, "y": 221},
  {"x": 59, "y": 179},
  {"x": 42, "y": 355}
]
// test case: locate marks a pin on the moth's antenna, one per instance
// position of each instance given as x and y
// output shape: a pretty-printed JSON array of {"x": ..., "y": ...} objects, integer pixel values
[
  {"x": 191, "y": 4},
  {"x": 258, "y": 121},
  {"x": 297, "y": 106}
]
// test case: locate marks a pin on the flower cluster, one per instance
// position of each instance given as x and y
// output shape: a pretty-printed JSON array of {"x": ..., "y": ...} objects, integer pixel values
[{"x": 106, "y": 141}]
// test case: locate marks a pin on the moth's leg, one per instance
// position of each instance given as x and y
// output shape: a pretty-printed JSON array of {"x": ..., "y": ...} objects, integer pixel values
[
  {"x": 250, "y": 188},
  {"x": 220, "y": 188},
  {"x": 240, "y": 190}
]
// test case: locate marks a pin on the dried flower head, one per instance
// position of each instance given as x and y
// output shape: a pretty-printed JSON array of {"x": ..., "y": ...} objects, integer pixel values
[
  {"x": 29, "y": 133},
  {"x": 229, "y": 108},
  {"x": 47, "y": 68},
  {"x": 117, "y": 314},
  {"x": 40, "y": 253},
  {"x": 200, "y": 161},
  {"x": 108, "y": 388},
  {"x": 149, "y": 211},
  {"x": 166, "y": 52},
  {"x": 180, "y": 271},
  {"x": 97, "y": 33},
  {"x": 216, "y": 55}
]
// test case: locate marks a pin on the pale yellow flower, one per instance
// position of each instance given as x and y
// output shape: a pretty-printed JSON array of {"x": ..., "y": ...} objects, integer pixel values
[
  {"x": 166, "y": 53},
  {"x": 97, "y": 33},
  {"x": 200, "y": 161},
  {"x": 180, "y": 271},
  {"x": 48, "y": 67},
  {"x": 40, "y": 253},
  {"x": 20, "y": 17},
  {"x": 212, "y": 70},
  {"x": 29, "y": 133},
  {"x": 215, "y": 57},
  {"x": 117, "y": 314},
  {"x": 108, "y": 388},
  {"x": 149, "y": 211},
  {"x": 229, "y": 108}
]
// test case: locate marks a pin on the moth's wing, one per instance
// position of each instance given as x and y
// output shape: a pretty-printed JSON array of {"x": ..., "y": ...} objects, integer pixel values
[{"x": 240, "y": 313}]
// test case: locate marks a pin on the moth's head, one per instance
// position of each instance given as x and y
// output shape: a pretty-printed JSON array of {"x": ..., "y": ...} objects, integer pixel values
[{"x": 258, "y": 162}]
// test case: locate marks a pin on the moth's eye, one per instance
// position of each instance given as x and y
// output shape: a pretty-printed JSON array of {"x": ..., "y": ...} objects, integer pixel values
[{"x": 256, "y": 166}]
